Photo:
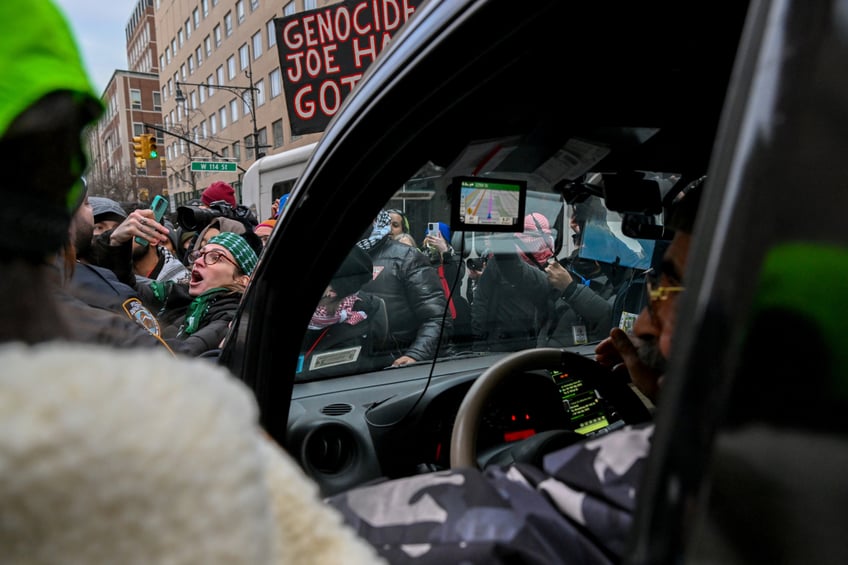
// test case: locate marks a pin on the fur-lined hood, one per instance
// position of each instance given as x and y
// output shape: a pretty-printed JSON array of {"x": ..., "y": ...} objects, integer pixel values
[{"x": 139, "y": 457}]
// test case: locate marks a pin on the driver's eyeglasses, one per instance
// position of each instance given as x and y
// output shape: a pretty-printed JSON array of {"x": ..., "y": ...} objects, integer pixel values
[
  {"x": 210, "y": 257},
  {"x": 655, "y": 292}
]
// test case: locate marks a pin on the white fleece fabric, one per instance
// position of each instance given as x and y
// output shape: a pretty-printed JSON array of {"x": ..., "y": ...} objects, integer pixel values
[{"x": 124, "y": 457}]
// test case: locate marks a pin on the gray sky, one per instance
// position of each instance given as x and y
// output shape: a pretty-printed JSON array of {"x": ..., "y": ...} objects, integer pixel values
[{"x": 99, "y": 29}]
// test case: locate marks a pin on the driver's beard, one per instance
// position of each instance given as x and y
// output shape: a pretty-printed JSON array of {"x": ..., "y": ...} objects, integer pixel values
[{"x": 650, "y": 354}]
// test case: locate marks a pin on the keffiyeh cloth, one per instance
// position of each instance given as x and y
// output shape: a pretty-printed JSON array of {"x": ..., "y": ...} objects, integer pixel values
[{"x": 344, "y": 314}]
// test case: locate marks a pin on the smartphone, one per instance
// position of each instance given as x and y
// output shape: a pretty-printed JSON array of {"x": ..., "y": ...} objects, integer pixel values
[
  {"x": 159, "y": 207},
  {"x": 433, "y": 229}
]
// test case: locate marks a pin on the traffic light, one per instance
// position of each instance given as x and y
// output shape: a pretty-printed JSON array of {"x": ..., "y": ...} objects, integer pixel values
[
  {"x": 139, "y": 148},
  {"x": 140, "y": 163},
  {"x": 152, "y": 147}
]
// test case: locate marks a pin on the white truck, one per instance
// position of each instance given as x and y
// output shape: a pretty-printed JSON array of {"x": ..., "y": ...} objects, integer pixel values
[{"x": 272, "y": 176}]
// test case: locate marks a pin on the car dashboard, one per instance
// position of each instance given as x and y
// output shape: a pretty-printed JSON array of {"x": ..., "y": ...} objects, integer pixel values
[{"x": 362, "y": 428}]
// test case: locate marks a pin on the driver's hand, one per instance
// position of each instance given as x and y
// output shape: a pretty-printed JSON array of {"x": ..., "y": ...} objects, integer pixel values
[{"x": 619, "y": 354}]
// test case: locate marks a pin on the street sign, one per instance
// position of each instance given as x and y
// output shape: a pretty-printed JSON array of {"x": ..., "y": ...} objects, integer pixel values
[{"x": 213, "y": 166}]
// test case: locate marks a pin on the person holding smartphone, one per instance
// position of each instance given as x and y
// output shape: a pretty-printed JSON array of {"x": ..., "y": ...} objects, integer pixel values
[{"x": 448, "y": 263}]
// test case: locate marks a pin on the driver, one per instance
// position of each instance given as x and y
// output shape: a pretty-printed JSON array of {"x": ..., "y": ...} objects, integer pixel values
[{"x": 577, "y": 508}]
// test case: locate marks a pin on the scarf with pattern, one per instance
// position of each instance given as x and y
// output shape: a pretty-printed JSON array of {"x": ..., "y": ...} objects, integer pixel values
[{"x": 344, "y": 314}]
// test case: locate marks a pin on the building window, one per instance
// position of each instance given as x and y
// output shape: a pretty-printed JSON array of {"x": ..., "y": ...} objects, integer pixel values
[
  {"x": 180, "y": 38},
  {"x": 210, "y": 80},
  {"x": 138, "y": 129},
  {"x": 272, "y": 34},
  {"x": 168, "y": 55},
  {"x": 277, "y": 128},
  {"x": 228, "y": 24},
  {"x": 309, "y": 4},
  {"x": 135, "y": 99},
  {"x": 240, "y": 11},
  {"x": 234, "y": 113},
  {"x": 254, "y": 5},
  {"x": 263, "y": 138},
  {"x": 257, "y": 45},
  {"x": 222, "y": 116},
  {"x": 289, "y": 9},
  {"x": 188, "y": 28},
  {"x": 237, "y": 150},
  {"x": 161, "y": 61},
  {"x": 190, "y": 65},
  {"x": 203, "y": 130},
  {"x": 213, "y": 124},
  {"x": 198, "y": 53},
  {"x": 248, "y": 145},
  {"x": 174, "y": 47},
  {"x": 219, "y": 74},
  {"x": 225, "y": 152},
  {"x": 195, "y": 15},
  {"x": 217, "y": 33},
  {"x": 157, "y": 101},
  {"x": 207, "y": 43},
  {"x": 231, "y": 67},
  {"x": 202, "y": 94},
  {"x": 183, "y": 71},
  {"x": 205, "y": 5},
  {"x": 243, "y": 56},
  {"x": 193, "y": 100},
  {"x": 276, "y": 80},
  {"x": 260, "y": 93}
]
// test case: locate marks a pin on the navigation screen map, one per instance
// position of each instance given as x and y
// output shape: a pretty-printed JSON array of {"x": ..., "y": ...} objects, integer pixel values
[{"x": 493, "y": 205}]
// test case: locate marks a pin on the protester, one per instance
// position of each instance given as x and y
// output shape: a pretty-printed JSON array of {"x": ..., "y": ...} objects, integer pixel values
[
  {"x": 196, "y": 315},
  {"x": 114, "y": 456},
  {"x": 507, "y": 313},
  {"x": 218, "y": 191},
  {"x": 410, "y": 287},
  {"x": 448, "y": 264},
  {"x": 108, "y": 214},
  {"x": 349, "y": 329},
  {"x": 264, "y": 229}
]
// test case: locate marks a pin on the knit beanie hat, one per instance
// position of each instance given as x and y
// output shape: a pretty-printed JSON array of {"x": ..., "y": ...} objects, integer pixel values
[
  {"x": 267, "y": 223},
  {"x": 242, "y": 252},
  {"x": 219, "y": 190},
  {"x": 40, "y": 58}
]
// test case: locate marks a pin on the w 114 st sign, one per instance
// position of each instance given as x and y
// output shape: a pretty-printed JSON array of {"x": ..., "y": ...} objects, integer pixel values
[{"x": 324, "y": 52}]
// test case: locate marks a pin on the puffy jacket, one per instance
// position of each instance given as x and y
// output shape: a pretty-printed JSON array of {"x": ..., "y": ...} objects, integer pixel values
[{"x": 415, "y": 300}]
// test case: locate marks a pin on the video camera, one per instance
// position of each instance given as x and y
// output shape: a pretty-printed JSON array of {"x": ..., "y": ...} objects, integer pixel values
[{"x": 195, "y": 218}]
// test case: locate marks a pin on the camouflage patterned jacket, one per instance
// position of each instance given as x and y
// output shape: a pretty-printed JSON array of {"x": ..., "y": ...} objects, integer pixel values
[{"x": 577, "y": 509}]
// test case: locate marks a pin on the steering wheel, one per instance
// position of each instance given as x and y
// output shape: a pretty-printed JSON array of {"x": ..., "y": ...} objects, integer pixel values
[{"x": 463, "y": 450}]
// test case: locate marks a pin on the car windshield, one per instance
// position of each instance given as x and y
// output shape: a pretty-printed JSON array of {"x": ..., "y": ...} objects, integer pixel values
[{"x": 419, "y": 286}]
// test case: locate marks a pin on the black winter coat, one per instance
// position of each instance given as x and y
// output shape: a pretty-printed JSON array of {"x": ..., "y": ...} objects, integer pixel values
[
  {"x": 345, "y": 349},
  {"x": 415, "y": 300},
  {"x": 172, "y": 312},
  {"x": 509, "y": 311}
]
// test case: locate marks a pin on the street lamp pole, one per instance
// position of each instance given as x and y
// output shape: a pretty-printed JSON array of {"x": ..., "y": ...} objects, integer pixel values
[{"x": 240, "y": 90}]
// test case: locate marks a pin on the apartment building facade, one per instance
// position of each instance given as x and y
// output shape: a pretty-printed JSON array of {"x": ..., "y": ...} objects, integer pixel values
[
  {"x": 133, "y": 107},
  {"x": 221, "y": 87}
]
